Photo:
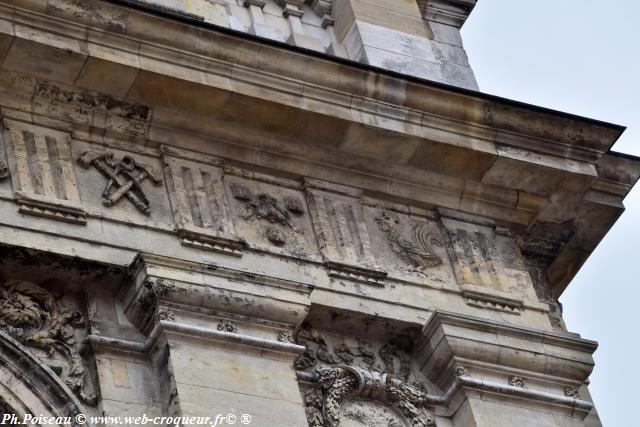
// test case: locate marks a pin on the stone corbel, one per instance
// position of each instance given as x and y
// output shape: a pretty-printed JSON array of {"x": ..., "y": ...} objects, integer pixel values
[
  {"x": 291, "y": 7},
  {"x": 157, "y": 288},
  {"x": 257, "y": 3},
  {"x": 449, "y": 12},
  {"x": 323, "y": 9}
]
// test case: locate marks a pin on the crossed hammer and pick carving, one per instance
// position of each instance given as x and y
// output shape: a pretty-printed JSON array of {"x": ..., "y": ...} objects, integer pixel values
[{"x": 124, "y": 178}]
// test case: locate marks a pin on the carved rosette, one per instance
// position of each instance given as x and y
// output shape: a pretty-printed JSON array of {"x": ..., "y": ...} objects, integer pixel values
[
  {"x": 227, "y": 326},
  {"x": 33, "y": 316},
  {"x": 517, "y": 381},
  {"x": 335, "y": 384}
]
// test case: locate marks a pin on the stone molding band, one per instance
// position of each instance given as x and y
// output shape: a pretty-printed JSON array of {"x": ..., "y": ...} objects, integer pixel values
[
  {"x": 484, "y": 385},
  {"x": 195, "y": 331}
]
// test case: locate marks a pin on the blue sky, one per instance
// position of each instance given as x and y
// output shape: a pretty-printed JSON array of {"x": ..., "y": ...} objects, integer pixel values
[{"x": 583, "y": 57}]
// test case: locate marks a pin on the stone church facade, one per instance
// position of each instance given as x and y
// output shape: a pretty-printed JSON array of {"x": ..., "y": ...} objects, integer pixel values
[{"x": 297, "y": 212}]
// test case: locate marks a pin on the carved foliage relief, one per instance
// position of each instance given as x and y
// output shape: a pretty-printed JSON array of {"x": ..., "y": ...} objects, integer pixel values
[
  {"x": 35, "y": 317},
  {"x": 360, "y": 382}
]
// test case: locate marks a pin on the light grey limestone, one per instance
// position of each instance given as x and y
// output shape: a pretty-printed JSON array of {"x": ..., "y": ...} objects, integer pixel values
[{"x": 271, "y": 232}]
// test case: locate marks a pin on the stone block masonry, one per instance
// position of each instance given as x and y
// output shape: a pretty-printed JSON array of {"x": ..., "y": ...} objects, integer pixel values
[{"x": 195, "y": 221}]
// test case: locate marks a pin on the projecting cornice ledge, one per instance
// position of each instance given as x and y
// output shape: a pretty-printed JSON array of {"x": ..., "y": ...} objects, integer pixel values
[
  {"x": 450, "y": 12},
  {"x": 254, "y": 101}
]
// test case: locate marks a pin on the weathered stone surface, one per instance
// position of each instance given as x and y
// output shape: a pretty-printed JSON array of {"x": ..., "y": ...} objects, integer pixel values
[{"x": 246, "y": 227}]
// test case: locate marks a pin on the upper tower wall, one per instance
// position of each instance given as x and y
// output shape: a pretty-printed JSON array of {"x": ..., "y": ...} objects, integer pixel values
[{"x": 420, "y": 38}]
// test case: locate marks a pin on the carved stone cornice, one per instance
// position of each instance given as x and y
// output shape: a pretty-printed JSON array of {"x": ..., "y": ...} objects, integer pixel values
[
  {"x": 449, "y": 12},
  {"x": 506, "y": 140}
]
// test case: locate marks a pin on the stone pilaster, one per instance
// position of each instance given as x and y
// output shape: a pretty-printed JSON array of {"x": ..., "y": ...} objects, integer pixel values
[
  {"x": 395, "y": 35},
  {"x": 494, "y": 374},
  {"x": 215, "y": 339}
]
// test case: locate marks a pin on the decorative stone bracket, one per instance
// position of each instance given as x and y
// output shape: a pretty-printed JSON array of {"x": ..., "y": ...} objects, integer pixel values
[{"x": 155, "y": 281}]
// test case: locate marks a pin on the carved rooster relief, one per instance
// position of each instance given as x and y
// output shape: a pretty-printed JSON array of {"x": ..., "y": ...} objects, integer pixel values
[{"x": 418, "y": 251}]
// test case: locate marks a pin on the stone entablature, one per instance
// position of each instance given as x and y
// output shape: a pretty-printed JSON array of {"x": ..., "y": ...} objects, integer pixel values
[
  {"x": 190, "y": 217},
  {"x": 345, "y": 238}
]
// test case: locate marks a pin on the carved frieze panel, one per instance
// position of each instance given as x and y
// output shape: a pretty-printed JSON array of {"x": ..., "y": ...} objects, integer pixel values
[
  {"x": 125, "y": 178},
  {"x": 126, "y": 185},
  {"x": 199, "y": 205},
  {"x": 43, "y": 176},
  {"x": 409, "y": 247},
  {"x": 36, "y": 317},
  {"x": 488, "y": 266},
  {"x": 361, "y": 382},
  {"x": 270, "y": 215},
  {"x": 342, "y": 234}
]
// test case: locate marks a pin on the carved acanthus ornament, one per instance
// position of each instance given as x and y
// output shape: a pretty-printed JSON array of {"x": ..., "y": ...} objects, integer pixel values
[
  {"x": 335, "y": 384},
  {"x": 417, "y": 250},
  {"x": 348, "y": 372},
  {"x": 32, "y": 315},
  {"x": 124, "y": 178}
]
